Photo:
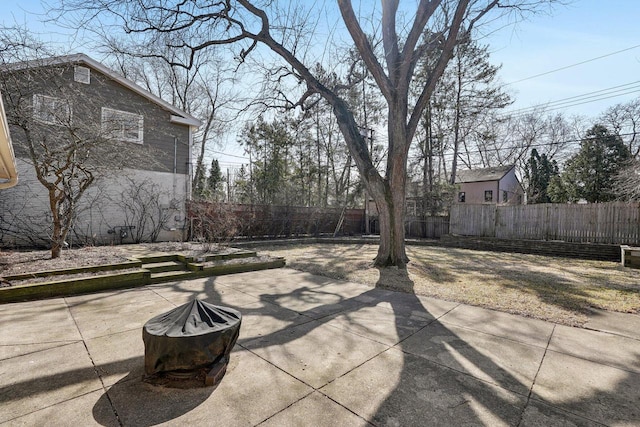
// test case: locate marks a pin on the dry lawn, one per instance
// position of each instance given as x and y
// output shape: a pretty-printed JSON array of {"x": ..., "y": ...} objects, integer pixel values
[{"x": 560, "y": 290}]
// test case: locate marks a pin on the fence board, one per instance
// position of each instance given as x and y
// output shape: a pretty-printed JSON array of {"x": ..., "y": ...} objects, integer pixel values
[{"x": 609, "y": 223}]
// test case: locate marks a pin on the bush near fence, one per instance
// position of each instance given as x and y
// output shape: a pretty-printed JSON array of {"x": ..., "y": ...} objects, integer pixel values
[{"x": 257, "y": 221}]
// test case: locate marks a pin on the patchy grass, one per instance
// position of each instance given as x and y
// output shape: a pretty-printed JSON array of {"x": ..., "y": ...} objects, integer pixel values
[{"x": 560, "y": 290}]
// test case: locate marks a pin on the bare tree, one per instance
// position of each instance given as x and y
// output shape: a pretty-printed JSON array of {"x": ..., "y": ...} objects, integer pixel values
[
  {"x": 624, "y": 120},
  {"x": 203, "y": 90},
  {"x": 434, "y": 29},
  {"x": 144, "y": 213},
  {"x": 53, "y": 129},
  {"x": 628, "y": 181}
]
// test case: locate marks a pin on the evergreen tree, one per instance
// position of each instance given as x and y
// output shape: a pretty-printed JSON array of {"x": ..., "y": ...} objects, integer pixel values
[
  {"x": 538, "y": 172},
  {"x": 199, "y": 179},
  {"x": 590, "y": 174},
  {"x": 215, "y": 181},
  {"x": 242, "y": 189},
  {"x": 467, "y": 95},
  {"x": 269, "y": 145}
]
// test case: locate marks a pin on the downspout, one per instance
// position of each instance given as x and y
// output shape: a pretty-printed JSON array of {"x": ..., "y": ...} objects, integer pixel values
[
  {"x": 187, "y": 187},
  {"x": 175, "y": 166}
]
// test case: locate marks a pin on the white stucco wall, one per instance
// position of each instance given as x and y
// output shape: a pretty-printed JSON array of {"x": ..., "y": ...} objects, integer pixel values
[{"x": 107, "y": 205}]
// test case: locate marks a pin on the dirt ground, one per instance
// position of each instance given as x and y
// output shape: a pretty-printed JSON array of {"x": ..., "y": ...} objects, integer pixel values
[
  {"x": 560, "y": 290},
  {"x": 17, "y": 262}
]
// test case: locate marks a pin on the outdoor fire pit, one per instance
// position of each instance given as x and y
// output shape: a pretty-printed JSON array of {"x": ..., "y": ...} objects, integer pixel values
[{"x": 189, "y": 346}]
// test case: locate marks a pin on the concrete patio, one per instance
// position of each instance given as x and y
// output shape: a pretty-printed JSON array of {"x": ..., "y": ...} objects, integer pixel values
[{"x": 318, "y": 352}]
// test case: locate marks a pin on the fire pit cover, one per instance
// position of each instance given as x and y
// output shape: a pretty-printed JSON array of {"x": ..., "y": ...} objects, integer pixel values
[{"x": 194, "y": 335}]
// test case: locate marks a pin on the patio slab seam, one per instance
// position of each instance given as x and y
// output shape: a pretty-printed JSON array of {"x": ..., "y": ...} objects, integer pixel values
[
  {"x": 533, "y": 383},
  {"x": 319, "y": 389},
  {"x": 43, "y": 408},
  {"x": 617, "y": 334},
  {"x": 429, "y": 322},
  {"x": 468, "y": 328},
  {"x": 93, "y": 364},
  {"x": 62, "y": 344},
  {"x": 288, "y": 406},
  {"x": 630, "y": 371}
]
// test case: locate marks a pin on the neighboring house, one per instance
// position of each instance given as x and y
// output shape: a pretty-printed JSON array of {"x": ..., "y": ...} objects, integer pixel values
[
  {"x": 121, "y": 206},
  {"x": 8, "y": 171},
  {"x": 498, "y": 185}
]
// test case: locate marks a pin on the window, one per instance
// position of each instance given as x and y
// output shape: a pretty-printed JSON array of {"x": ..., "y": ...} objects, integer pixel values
[
  {"x": 82, "y": 74},
  {"x": 488, "y": 196},
  {"x": 51, "y": 110},
  {"x": 122, "y": 126},
  {"x": 461, "y": 197},
  {"x": 505, "y": 196}
]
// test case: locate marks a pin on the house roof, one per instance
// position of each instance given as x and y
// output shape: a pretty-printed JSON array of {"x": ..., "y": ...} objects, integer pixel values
[
  {"x": 8, "y": 172},
  {"x": 178, "y": 116},
  {"x": 481, "y": 175}
]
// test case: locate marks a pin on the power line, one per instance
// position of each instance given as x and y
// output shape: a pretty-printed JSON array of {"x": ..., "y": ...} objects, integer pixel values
[
  {"x": 572, "y": 65},
  {"x": 230, "y": 155},
  {"x": 577, "y": 99},
  {"x": 539, "y": 144},
  {"x": 598, "y": 95},
  {"x": 594, "y": 100}
]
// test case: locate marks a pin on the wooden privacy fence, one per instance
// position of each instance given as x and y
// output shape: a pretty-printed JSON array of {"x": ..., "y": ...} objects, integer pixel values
[
  {"x": 431, "y": 227},
  {"x": 610, "y": 223}
]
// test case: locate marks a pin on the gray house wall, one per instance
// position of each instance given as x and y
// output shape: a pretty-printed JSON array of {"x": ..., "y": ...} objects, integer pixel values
[
  {"x": 166, "y": 142},
  {"x": 106, "y": 207},
  {"x": 25, "y": 218}
]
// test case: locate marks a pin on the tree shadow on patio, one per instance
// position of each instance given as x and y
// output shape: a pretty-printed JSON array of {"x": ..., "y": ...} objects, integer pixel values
[{"x": 428, "y": 368}]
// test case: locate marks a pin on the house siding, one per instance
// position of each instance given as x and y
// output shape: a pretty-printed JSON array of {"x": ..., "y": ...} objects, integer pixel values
[
  {"x": 25, "y": 218},
  {"x": 474, "y": 191},
  {"x": 511, "y": 185},
  {"x": 166, "y": 142}
]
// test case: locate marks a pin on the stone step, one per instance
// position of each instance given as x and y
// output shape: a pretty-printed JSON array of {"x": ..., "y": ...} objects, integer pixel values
[
  {"x": 223, "y": 256},
  {"x": 159, "y": 267},
  {"x": 152, "y": 258},
  {"x": 169, "y": 276}
]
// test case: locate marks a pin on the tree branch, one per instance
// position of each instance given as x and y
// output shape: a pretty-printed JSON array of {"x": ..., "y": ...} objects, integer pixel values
[
  {"x": 365, "y": 49},
  {"x": 443, "y": 59}
]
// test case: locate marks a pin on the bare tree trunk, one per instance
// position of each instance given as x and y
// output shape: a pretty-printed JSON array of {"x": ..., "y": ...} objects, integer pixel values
[
  {"x": 456, "y": 129},
  {"x": 58, "y": 233}
]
